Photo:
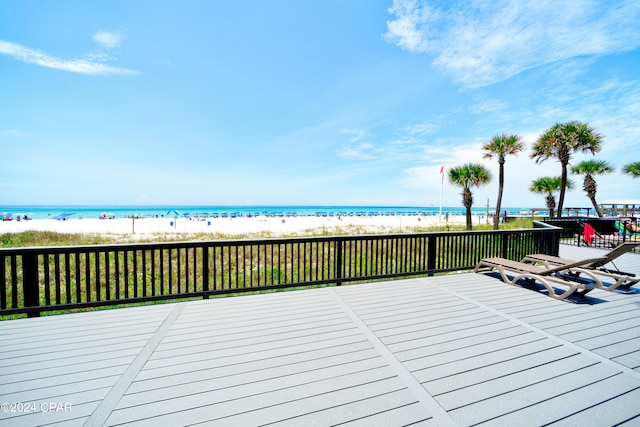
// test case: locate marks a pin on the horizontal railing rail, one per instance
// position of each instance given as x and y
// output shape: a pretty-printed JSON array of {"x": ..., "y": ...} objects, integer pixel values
[{"x": 37, "y": 279}]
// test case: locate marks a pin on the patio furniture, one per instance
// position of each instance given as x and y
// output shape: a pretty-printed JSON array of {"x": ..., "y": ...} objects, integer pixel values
[
  {"x": 622, "y": 279},
  {"x": 547, "y": 276}
]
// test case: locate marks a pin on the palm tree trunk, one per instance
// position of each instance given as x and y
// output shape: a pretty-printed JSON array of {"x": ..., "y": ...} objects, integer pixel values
[
  {"x": 590, "y": 186},
  {"x": 467, "y": 201},
  {"x": 563, "y": 187},
  {"x": 496, "y": 218},
  {"x": 551, "y": 204},
  {"x": 595, "y": 206}
]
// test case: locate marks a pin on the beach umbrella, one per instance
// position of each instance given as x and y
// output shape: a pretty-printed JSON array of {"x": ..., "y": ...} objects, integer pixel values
[
  {"x": 64, "y": 216},
  {"x": 173, "y": 212}
]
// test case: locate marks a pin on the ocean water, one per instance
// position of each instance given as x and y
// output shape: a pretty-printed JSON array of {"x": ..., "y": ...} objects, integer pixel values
[{"x": 80, "y": 211}]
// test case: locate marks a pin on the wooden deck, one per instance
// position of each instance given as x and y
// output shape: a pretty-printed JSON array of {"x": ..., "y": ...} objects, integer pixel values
[{"x": 455, "y": 350}]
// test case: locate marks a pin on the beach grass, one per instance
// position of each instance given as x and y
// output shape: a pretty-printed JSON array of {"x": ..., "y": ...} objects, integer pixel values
[{"x": 237, "y": 273}]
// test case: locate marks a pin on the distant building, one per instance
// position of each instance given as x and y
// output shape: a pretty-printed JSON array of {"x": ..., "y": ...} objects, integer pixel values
[{"x": 628, "y": 207}]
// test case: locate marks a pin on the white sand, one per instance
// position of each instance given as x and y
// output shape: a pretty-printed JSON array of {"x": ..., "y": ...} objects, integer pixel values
[{"x": 148, "y": 227}]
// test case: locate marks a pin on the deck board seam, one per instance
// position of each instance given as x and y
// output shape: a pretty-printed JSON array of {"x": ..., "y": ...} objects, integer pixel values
[
  {"x": 546, "y": 334},
  {"x": 438, "y": 413},
  {"x": 108, "y": 404}
]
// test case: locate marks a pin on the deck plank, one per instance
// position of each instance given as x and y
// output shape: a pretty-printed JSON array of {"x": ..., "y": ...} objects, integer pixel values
[
  {"x": 533, "y": 399},
  {"x": 454, "y": 349},
  {"x": 218, "y": 404}
]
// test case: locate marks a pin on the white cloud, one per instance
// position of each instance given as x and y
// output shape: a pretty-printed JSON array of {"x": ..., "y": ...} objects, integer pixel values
[
  {"x": 355, "y": 134},
  {"x": 483, "y": 42},
  {"x": 361, "y": 150},
  {"x": 87, "y": 66},
  {"x": 14, "y": 133},
  {"x": 488, "y": 106},
  {"x": 108, "y": 40},
  {"x": 422, "y": 128}
]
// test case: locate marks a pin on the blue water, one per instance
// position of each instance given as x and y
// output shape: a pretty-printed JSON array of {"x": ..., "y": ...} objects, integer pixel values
[{"x": 79, "y": 211}]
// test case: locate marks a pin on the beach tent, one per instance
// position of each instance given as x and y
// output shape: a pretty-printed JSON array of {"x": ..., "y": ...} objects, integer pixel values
[{"x": 63, "y": 216}]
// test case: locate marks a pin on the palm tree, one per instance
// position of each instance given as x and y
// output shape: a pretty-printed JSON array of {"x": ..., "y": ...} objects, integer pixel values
[
  {"x": 548, "y": 185},
  {"x": 501, "y": 146},
  {"x": 467, "y": 176},
  {"x": 588, "y": 168},
  {"x": 632, "y": 169},
  {"x": 560, "y": 141}
]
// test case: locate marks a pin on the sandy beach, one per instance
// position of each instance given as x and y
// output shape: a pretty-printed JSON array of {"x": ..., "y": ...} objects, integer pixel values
[{"x": 260, "y": 225}]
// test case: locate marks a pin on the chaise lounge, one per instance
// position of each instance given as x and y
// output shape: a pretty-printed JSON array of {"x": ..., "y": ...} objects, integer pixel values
[
  {"x": 621, "y": 279},
  {"x": 548, "y": 276}
]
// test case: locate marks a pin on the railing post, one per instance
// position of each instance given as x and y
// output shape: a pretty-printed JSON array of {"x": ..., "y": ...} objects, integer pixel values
[
  {"x": 580, "y": 234},
  {"x": 555, "y": 245},
  {"x": 505, "y": 240},
  {"x": 30, "y": 286},
  {"x": 338, "y": 261},
  {"x": 431, "y": 254}
]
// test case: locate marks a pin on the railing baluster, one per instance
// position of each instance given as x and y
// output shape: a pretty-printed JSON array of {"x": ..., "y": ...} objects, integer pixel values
[
  {"x": 126, "y": 273},
  {"x": 185, "y": 282},
  {"x": 215, "y": 268},
  {"x": 107, "y": 275},
  {"x": 170, "y": 284},
  {"x": 97, "y": 273},
  {"x": 154, "y": 273},
  {"x": 87, "y": 274},
  {"x": 135, "y": 273},
  {"x": 161, "y": 272},
  {"x": 144, "y": 273}
]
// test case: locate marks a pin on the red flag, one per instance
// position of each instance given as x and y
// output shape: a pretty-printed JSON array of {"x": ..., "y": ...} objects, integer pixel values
[{"x": 442, "y": 169}]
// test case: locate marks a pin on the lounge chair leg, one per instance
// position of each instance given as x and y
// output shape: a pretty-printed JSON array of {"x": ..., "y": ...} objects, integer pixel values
[{"x": 583, "y": 292}]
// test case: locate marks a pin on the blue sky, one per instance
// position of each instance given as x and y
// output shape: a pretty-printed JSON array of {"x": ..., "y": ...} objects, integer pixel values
[{"x": 306, "y": 102}]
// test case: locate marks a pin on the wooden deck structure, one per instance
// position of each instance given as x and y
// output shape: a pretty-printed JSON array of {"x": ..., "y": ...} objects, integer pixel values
[{"x": 454, "y": 350}]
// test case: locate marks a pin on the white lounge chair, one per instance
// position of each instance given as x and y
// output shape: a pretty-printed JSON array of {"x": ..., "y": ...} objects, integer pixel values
[
  {"x": 621, "y": 279},
  {"x": 548, "y": 276}
]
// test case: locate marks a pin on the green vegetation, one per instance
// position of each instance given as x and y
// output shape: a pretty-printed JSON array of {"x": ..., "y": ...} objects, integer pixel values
[
  {"x": 467, "y": 176},
  {"x": 501, "y": 146},
  {"x": 547, "y": 186},
  {"x": 589, "y": 168},
  {"x": 632, "y": 169},
  {"x": 50, "y": 238},
  {"x": 562, "y": 140}
]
